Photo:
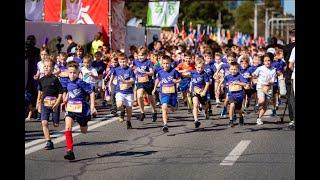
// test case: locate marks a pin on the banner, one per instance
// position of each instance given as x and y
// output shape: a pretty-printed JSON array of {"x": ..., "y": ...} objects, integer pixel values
[
  {"x": 164, "y": 14},
  {"x": 52, "y": 10},
  {"x": 73, "y": 10},
  {"x": 118, "y": 24},
  {"x": 156, "y": 13},
  {"x": 34, "y": 10}
]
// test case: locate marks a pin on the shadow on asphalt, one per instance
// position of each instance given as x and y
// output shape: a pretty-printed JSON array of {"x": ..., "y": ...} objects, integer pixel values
[
  {"x": 118, "y": 153},
  {"x": 158, "y": 126},
  {"x": 95, "y": 143}
]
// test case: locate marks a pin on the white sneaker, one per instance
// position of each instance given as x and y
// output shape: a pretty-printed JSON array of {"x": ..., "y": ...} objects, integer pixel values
[
  {"x": 291, "y": 123},
  {"x": 259, "y": 122}
]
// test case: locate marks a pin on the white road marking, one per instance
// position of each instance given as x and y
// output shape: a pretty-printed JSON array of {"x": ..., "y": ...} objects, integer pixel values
[
  {"x": 235, "y": 153},
  {"x": 74, "y": 134}
]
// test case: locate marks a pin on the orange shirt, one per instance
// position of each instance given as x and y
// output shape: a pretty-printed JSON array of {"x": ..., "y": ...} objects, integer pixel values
[{"x": 183, "y": 66}]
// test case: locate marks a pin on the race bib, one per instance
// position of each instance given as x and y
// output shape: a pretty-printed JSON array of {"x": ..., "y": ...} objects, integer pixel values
[
  {"x": 143, "y": 78},
  {"x": 74, "y": 106},
  {"x": 168, "y": 88},
  {"x": 64, "y": 74},
  {"x": 235, "y": 87},
  {"x": 280, "y": 77},
  {"x": 49, "y": 101},
  {"x": 124, "y": 86},
  {"x": 197, "y": 90}
]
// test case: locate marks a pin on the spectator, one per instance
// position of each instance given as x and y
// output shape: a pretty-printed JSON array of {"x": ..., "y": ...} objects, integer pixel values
[
  {"x": 71, "y": 43},
  {"x": 151, "y": 45},
  {"x": 96, "y": 43}
]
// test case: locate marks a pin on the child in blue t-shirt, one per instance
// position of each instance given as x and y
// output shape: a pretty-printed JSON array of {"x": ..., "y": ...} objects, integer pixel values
[
  {"x": 124, "y": 88},
  {"x": 235, "y": 83},
  {"x": 77, "y": 108},
  {"x": 144, "y": 71},
  {"x": 168, "y": 77},
  {"x": 199, "y": 86}
]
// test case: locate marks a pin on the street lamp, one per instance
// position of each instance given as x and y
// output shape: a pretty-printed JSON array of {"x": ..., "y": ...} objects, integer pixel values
[
  {"x": 266, "y": 29},
  {"x": 256, "y": 19}
]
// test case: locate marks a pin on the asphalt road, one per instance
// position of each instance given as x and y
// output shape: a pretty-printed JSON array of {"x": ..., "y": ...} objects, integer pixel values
[{"x": 110, "y": 151}]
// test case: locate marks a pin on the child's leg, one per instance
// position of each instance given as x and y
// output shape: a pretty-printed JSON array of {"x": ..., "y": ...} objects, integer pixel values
[
  {"x": 263, "y": 105},
  {"x": 140, "y": 99},
  {"x": 129, "y": 112},
  {"x": 231, "y": 111},
  {"x": 195, "y": 108},
  {"x": 152, "y": 102},
  {"x": 29, "y": 111},
  {"x": 45, "y": 129},
  {"x": 164, "y": 108},
  {"x": 217, "y": 93},
  {"x": 68, "y": 133}
]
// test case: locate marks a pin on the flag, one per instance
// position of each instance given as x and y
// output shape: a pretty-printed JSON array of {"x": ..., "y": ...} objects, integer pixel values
[
  {"x": 34, "y": 10},
  {"x": 190, "y": 27},
  {"x": 228, "y": 34},
  {"x": 163, "y": 14},
  {"x": 176, "y": 29},
  {"x": 183, "y": 32},
  {"x": 73, "y": 10}
]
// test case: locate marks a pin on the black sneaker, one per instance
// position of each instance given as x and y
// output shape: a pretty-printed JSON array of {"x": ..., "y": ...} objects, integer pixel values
[
  {"x": 197, "y": 124},
  {"x": 165, "y": 128},
  {"x": 241, "y": 122},
  {"x": 142, "y": 116},
  {"x": 104, "y": 104},
  {"x": 210, "y": 112},
  {"x": 154, "y": 117},
  {"x": 114, "y": 113},
  {"x": 129, "y": 126},
  {"x": 69, "y": 155},
  {"x": 49, "y": 145},
  {"x": 231, "y": 124}
]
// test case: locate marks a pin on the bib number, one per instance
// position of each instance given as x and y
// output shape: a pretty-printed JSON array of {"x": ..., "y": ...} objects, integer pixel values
[
  {"x": 143, "y": 79},
  {"x": 235, "y": 87},
  {"x": 49, "y": 101},
  {"x": 124, "y": 86},
  {"x": 74, "y": 106},
  {"x": 197, "y": 90},
  {"x": 168, "y": 89}
]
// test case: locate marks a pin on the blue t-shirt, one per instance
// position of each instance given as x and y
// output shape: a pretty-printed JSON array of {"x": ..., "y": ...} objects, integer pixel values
[
  {"x": 77, "y": 91},
  {"x": 166, "y": 81},
  {"x": 278, "y": 65},
  {"x": 142, "y": 67},
  {"x": 224, "y": 59},
  {"x": 199, "y": 79},
  {"x": 63, "y": 80},
  {"x": 245, "y": 73},
  {"x": 123, "y": 74},
  {"x": 225, "y": 68},
  {"x": 100, "y": 66},
  {"x": 229, "y": 79},
  {"x": 210, "y": 69},
  {"x": 253, "y": 68}
]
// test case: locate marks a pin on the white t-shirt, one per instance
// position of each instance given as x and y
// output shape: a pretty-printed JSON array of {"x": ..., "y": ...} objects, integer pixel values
[
  {"x": 292, "y": 60},
  {"x": 86, "y": 77},
  {"x": 40, "y": 68},
  {"x": 218, "y": 65},
  {"x": 265, "y": 75}
]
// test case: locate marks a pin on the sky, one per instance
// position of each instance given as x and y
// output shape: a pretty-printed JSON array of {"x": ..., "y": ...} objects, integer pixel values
[{"x": 289, "y": 6}]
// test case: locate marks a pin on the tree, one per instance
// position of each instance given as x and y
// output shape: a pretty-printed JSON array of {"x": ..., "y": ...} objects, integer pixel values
[{"x": 244, "y": 17}]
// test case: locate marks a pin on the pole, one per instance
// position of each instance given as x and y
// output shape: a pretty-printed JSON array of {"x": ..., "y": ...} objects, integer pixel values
[
  {"x": 110, "y": 22},
  {"x": 281, "y": 29},
  {"x": 255, "y": 21},
  {"x": 266, "y": 26}
]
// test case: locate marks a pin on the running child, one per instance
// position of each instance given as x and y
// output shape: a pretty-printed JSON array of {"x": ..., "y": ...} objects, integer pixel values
[
  {"x": 168, "y": 77},
  {"x": 77, "y": 108}
]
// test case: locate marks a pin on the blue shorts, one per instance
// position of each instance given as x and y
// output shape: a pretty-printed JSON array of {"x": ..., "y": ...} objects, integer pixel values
[
  {"x": 45, "y": 114},
  {"x": 170, "y": 100},
  {"x": 148, "y": 87},
  {"x": 237, "y": 100},
  {"x": 184, "y": 85}
]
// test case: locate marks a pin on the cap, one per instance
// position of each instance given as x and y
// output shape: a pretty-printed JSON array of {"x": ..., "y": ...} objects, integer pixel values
[
  {"x": 271, "y": 50},
  {"x": 155, "y": 36}
]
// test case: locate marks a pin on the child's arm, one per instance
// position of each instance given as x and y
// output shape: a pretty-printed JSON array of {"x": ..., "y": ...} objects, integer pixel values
[
  {"x": 110, "y": 81},
  {"x": 56, "y": 105},
  {"x": 39, "y": 99},
  {"x": 155, "y": 86},
  {"x": 204, "y": 92},
  {"x": 56, "y": 71},
  {"x": 37, "y": 75},
  {"x": 92, "y": 99}
]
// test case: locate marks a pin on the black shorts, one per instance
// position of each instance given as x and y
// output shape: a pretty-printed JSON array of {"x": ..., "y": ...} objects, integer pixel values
[
  {"x": 249, "y": 92},
  {"x": 202, "y": 100},
  {"x": 82, "y": 120},
  {"x": 275, "y": 89},
  {"x": 147, "y": 87}
]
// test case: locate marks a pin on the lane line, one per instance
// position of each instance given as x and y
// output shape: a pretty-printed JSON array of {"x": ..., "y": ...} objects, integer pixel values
[
  {"x": 62, "y": 138},
  {"x": 235, "y": 153}
]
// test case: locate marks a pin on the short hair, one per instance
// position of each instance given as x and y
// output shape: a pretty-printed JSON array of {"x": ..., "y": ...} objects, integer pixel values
[
  {"x": 187, "y": 54},
  {"x": 292, "y": 32},
  {"x": 44, "y": 49},
  {"x": 217, "y": 54},
  {"x": 50, "y": 61},
  {"x": 231, "y": 54},
  {"x": 270, "y": 55},
  {"x": 87, "y": 56},
  {"x": 199, "y": 60},
  {"x": 64, "y": 54},
  {"x": 166, "y": 57},
  {"x": 98, "y": 53},
  {"x": 73, "y": 64},
  {"x": 234, "y": 64},
  {"x": 122, "y": 56},
  {"x": 142, "y": 50},
  {"x": 245, "y": 59}
]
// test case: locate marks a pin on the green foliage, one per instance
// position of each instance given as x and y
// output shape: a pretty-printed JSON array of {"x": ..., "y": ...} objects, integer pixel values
[{"x": 244, "y": 17}]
